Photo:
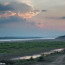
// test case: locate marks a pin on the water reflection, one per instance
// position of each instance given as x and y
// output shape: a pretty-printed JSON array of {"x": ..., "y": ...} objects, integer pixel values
[{"x": 38, "y": 55}]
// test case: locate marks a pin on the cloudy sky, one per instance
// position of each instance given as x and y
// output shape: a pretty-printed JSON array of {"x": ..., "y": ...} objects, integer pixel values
[{"x": 27, "y": 18}]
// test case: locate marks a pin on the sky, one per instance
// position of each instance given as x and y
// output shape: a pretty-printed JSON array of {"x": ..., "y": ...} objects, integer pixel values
[{"x": 32, "y": 18}]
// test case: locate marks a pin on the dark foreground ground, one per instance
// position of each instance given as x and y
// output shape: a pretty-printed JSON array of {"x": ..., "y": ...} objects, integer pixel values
[{"x": 52, "y": 59}]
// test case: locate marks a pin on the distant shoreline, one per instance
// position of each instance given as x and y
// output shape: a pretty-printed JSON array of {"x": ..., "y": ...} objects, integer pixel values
[
  {"x": 33, "y": 39},
  {"x": 20, "y": 40}
]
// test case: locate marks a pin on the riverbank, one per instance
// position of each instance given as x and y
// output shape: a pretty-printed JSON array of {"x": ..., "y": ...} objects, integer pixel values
[
  {"x": 56, "y": 58},
  {"x": 38, "y": 55}
]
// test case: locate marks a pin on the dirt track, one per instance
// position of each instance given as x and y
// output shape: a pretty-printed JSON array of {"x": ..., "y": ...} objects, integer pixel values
[{"x": 58, "y": 61}]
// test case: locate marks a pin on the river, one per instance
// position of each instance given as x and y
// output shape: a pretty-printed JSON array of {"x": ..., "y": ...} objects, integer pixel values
[{"x": 38, "y": 55}]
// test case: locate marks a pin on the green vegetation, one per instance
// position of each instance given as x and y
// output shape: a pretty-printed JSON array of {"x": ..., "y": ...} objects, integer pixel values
[
  {"x": 41, "y": 58},
  {"x": 29, "y": 47},
  {"x": 31, "y": 59}
]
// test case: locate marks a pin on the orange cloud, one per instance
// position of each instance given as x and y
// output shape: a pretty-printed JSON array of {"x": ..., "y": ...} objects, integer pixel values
[
  {"x": 19, "y": 14},
  {"x": 28, "y": 14},
  {"x": 7, "y": 14},
  {"x": 23, "y": 10}
]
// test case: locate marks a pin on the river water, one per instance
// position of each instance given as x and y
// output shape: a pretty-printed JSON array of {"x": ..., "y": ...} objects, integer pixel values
[
  {"x": 5, "y": 40},
  {"x": 38, "y": 55}
]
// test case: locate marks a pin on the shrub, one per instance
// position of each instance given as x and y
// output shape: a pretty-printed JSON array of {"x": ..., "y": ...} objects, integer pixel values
[
  {"x": 41, "y": 58},
  {"x": 31, "y": 58}
]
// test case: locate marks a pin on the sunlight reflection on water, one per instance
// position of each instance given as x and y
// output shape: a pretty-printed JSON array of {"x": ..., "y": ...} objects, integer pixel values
[{"x": 38, "y": 55}]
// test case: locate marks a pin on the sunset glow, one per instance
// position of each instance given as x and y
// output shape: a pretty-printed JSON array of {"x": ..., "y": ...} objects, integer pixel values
[{"x": 29, "y": 17}]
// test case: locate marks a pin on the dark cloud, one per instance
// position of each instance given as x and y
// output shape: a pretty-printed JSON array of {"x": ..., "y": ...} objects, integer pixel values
[
  {"x": 43, "y": 10},
  {"x": 5, "y": 7},
  {"x": 40, "y": 10},
  {"x": 21, "y": 7},
  {"x": 7, "y": 11},
  {"x": 62, "y": 17},
  {"x": 15, "y": 12},
  {"x": 11, "y": 19},
  {"x": 57, "y": 18},
  {"x": 15, "y": 7}
]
